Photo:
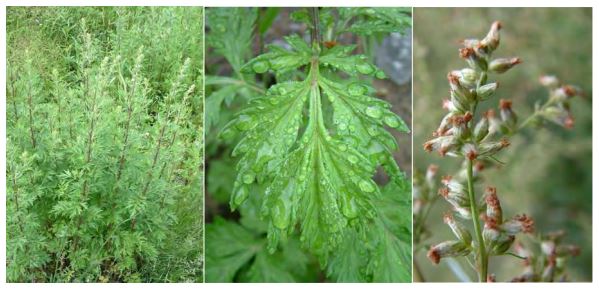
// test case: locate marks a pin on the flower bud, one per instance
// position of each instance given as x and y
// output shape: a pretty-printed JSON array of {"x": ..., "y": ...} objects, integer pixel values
[
  {"x": 493, "y": 205},
  {"x": 491, "y": 278},
  {"x": 519, "y": 223},
  {"x": 485, "y": 91},
  {"x": 549, "y": 81},
  {"x": 457, "y": 199},
  {"x": 491, "y": 231},
  {"x": 491, "y": 148},
  {"x": 458, "y": 229},
  {"x": 481, "y": 130},
  {"x": 458, "y": 87},
  {"x": 508, "y": 116},
  {"x": 491, "y": 41},
  {"x": 494, "y": 122},
  {"x": 459, "y": 102},
  {"x": 474, "y": 60},
  {"x": 559, "y": 115},
  {"x": 449, "y": 106},
  {"x": 502, "y": 244},
  {"x": 564, "y": 93},
  {"x": 567, "y": 250},
  {"x": 441, "y": 144},
  {"x": 460, "y": 126},
  {"x": 501, "y": 65},
  {"x": 469, "y": 151},
  {"x": 548, "y": 247},
  {"x": 431, "y": 172},
  {"x": 448, "y": 249},
  {"x": 468, "y": 77}
]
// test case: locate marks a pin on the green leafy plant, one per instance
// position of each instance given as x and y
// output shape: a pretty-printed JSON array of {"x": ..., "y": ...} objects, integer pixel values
[
  {"x": 104, "y": 153},
  {"x": 307, "y": 145},
  {"x": 477, "y": 139}
]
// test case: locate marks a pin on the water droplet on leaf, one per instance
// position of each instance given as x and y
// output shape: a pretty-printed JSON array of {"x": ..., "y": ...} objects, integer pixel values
[
  {"x": 374, "y": 112},
  {"x": 356, "y": 89},
  {"x": 391, "y": 121},
  {"x": 365, "y": 68},
  {"x": 260, "y": 67},
  {"x": 280, "y": 216},
  {"x": 249, "y": 177},
  {"x": 366, "y": 186}
]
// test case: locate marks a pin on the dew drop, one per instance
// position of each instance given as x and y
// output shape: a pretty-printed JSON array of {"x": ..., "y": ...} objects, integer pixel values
[
  {"x": 356, "y": 89},
  {"x": 240, "y": 196},
  {"x": 244, "y": 123},
  {"x": 280, "y": 216},
  {"x": 366, "y": 186},
  {"x": 342, "y": 126},
  {"x": 248, "y": 177},
  {"x": 260, "y": 67},
  {"x": 391, "y": 121},
  {"x": 365, "y": 68},
  {"x": 374, "y": 112}
]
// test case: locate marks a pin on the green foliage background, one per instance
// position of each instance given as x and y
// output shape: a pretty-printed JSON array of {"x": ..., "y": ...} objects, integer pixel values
[
  {"x": 548, "y": 171},
  {"x": 84, "y": 202}
]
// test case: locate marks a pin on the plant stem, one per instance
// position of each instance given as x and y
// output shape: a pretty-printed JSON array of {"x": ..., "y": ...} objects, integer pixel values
[
  {"x": 482, "y": 252},
  {"x": 315, "y": 31}
]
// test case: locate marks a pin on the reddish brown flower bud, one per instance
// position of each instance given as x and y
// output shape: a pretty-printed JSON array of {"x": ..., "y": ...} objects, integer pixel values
[
  {"x": 493, "y": 205},
  {"x": 502, "y": 65}
]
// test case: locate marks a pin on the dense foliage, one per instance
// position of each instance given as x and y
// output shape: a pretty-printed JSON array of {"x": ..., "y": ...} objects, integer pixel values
[
  {"x": 104, "y": 144},
  {"x": 307, "y": 137}
]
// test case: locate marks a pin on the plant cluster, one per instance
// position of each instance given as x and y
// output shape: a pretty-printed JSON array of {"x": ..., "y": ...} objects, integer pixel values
[
  {"x": 104, "y": 145},
  {"x": 308, "y": 137},
  {"x": 477, "y": 138}
]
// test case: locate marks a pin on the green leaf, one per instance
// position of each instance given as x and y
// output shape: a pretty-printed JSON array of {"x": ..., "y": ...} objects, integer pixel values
[
  {"x": 267, "y": 18},
  {"x": 229, "y": 246},
  {"x": 367, "y": 21},
  {"x": 313, "y": 174},
  {"x": 236, "y": 254},
  {"x": 280, "y": 59},
  {"x": 230, "y": 33}
]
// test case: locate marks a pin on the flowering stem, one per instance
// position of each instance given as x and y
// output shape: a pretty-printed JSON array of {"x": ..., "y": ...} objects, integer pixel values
[{"x": 482, "y": 252}]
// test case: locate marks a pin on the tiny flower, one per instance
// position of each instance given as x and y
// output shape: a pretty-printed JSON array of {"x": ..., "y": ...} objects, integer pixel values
[
  {"x": 458, "y": 87},
  {"x": 491, "y": 41},
  {"x": 494, "y": 122},
  {"x": 469, "y": 150},
  {"x": 491, "y": 278},
  {"x": 559, "y": 115},
  {"x": 567, "y": 250},
  {"x": 457, "y": 199},
  {"x": 502, "y": 244},
  {"x": 519, "y": 223},
  {"x": 458, "y": 229},
  {"x": 494, "y": 210},
  {"x": 491, "y": 231},
  {"x": 441, "y": 144},
  {"x": 491, "y": 148},
  {"x": 549, "y": 81},
  {"x": 447, "y": 249},
  {"x": 431, "y": 172},
  {"x": 473, "y": 59},
  {"x": 548, "y": 247},
  {"x": 502, "y": 65},
  {"x": 508, "y": 116}
]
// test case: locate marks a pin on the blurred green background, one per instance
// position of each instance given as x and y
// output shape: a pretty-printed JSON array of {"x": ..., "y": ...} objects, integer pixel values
[{"x": 547, "y": 172}]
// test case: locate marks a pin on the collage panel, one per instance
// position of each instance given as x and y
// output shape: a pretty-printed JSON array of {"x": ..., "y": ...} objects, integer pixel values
[
  {"x": 308, "y": 145},
  {"x": 502, "y": 188},
  {"x": 104, "y": 144}
]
